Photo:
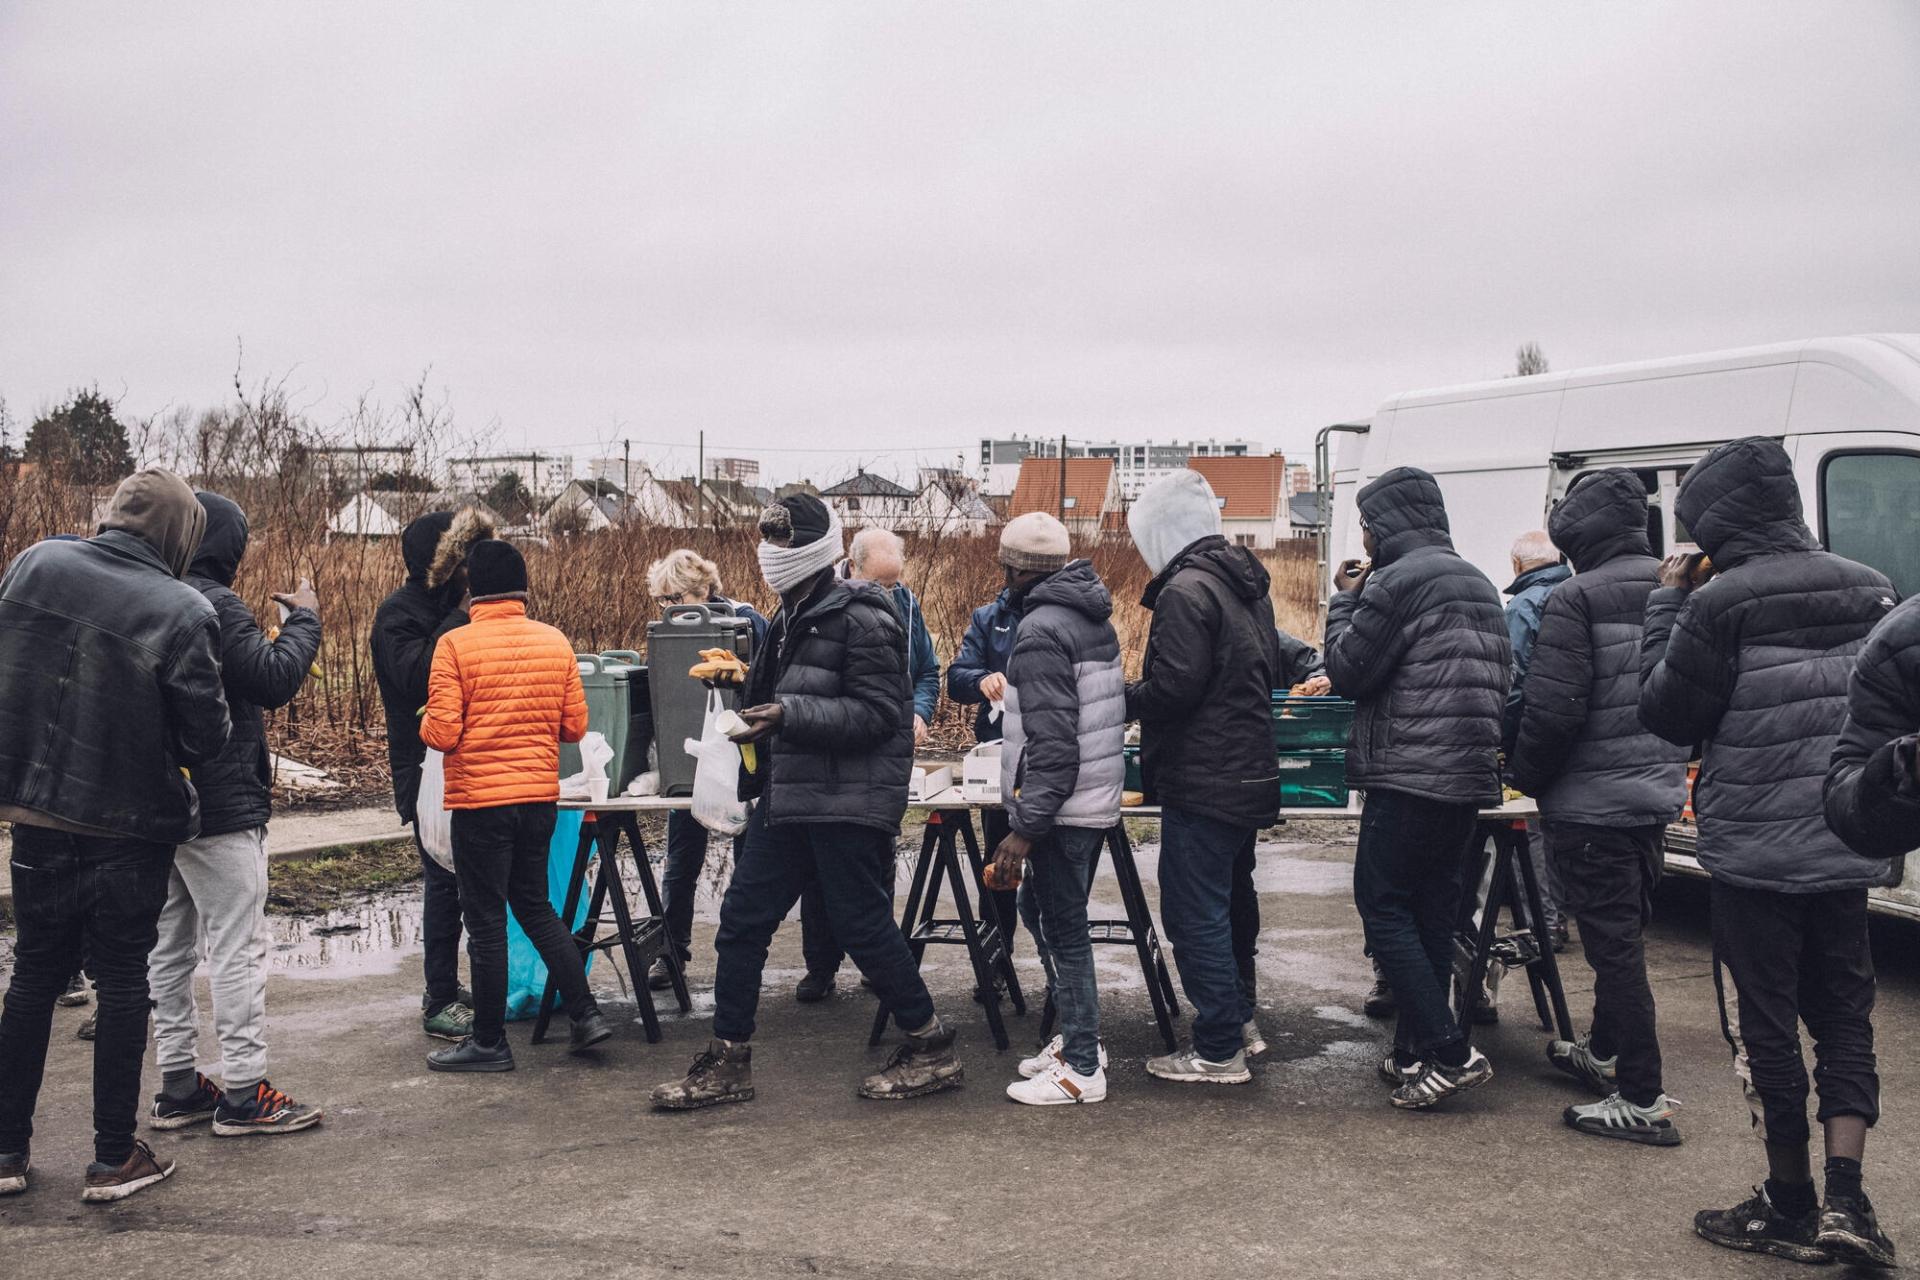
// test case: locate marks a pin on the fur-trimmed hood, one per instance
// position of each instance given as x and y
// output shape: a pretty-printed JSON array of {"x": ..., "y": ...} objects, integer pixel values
[{"x": 470, "y": 525}]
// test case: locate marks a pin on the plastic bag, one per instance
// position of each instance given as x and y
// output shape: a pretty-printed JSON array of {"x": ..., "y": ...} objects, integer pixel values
[
  {"x": 717, "y": 805},
  {"x": 430, "y": 810},
  {"x": 526, "y": 972}
]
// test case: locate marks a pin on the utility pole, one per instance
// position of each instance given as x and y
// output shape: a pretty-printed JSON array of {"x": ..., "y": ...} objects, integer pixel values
[
  {"x": 1063, "y": 479},
  {"x": 626, "y": 480},
  {"x": 699, "y": 479}
]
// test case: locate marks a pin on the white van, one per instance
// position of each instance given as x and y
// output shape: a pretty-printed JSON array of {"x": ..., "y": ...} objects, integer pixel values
[{"x": 1846, "y": 409}]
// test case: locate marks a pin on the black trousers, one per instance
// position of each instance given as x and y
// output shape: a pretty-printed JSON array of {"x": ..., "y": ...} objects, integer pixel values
[
  {"x": 500, "y": 856},
  {"x": 1782, "y": 959},
  {"x": 1244, "y": 914},
  {"x": 1407, "y": 878},
  {"x": 81, "y": 896},
  {"x": 823, "y": 952},
  {"x": 439, "y": 932},
  {"x": 1607, "y": 876}
]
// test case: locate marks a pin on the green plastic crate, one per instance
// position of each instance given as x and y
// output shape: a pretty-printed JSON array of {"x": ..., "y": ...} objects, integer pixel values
[
  {"x": 1131, "y": 754},
  {"x": 1301, "y": 724},
  {"x": 1313, "y": 779}
]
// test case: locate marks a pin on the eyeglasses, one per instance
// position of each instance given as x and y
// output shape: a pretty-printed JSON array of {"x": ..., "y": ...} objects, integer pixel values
[{"x": 667, "y": 602}]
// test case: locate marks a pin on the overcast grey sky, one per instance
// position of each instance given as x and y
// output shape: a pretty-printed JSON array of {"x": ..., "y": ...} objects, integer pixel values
[{"x": 890, "y": 226}]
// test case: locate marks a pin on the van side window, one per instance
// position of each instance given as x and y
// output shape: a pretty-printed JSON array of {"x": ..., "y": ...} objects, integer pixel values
[{"x": 1870, "y": 512}]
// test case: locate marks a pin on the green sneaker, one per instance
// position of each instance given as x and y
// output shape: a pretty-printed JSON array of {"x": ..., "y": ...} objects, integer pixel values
[{"x": 454, "y": 1022}]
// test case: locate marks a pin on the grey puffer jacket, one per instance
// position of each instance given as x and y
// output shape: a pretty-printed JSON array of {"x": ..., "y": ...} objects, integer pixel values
[
  {"x": 1582, "y": 751},
  {"x": 1753, "y": 667},
  {"x": 1872, "y": 799},
  {"x": 837, "y": 665},
  {"x": 1066, "y": 707},
  {"x": 1422, "y": 650}
]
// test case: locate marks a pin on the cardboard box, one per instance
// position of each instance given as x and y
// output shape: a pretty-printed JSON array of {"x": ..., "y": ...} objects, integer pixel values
[
  {"x": 928, "y": 779},
  {"x": 980, "y": 774}
]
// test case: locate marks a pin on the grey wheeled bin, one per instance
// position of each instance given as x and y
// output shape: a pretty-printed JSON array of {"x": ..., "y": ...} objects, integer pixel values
[
  {"x": 617, "y": 708},
  {"x": 680, "y": 701}
]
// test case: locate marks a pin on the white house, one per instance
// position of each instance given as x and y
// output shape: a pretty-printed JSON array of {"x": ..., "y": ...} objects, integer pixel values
[
  {"x": 865, "y": 500},
  {"x": 949, "y": 503},
  {"x": 384, "y": 515},
  {"x": 586, "y": 505}
]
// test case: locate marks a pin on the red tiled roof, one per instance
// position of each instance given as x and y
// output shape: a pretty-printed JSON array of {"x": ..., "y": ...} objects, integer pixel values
[
  {"x": 1253, "y": 487},
  {"x": 1089, "y": 480}
]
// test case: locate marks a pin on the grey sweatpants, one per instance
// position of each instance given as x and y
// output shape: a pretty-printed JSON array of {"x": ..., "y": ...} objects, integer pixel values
[{"x": 216, "y": 906}]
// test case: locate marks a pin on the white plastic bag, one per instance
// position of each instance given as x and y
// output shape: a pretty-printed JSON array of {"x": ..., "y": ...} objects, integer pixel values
[
  {"x": 430, "y": 810},
  {"x": 716, "y": 776}
]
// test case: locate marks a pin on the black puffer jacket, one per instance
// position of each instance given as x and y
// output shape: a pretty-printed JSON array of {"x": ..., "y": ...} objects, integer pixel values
[
  {"x": 1204, "y": 699},
  {"x": 109, "y": 684},
  {"x": 1422, "y": 650},
  {"x": 1753, "y": 668},
  {"x": 235, "y": 785},
  {"x": 837, "y": 666},
  {"x": 1871, "y": 797},
  {"x": 406, "y": 627},
  {"x": 1582, "y": 751}
]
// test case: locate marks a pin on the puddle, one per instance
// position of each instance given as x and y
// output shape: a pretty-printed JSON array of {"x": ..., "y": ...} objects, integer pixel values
[
  {"x": 1344, "y": 1016},
  {"x": 370, "y": 936}
]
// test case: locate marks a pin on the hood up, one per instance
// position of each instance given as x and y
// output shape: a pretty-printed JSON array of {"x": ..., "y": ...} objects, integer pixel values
[
  {"x": 1075, "y": 587},
  {"x": 468, "y": 526},
  {"x": 1238, "y": 567},
  {"x": 1405, "y": 510},
  {"x": 419, "y": 540},
  {"x": 1741, "y": 501},
  {"x": 1171, "y": 514},
  {"x": 225, "y": 541},
  {"x": 1603, "y": 517},
  {"x": 158, "y": 507}
]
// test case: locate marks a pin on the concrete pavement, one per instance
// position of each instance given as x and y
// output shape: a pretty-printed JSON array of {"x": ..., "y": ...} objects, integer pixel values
[{"x": 558, "y": 1169}]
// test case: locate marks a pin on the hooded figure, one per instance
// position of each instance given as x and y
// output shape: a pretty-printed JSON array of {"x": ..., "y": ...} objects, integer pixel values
[
  {"x": 1752, "y": 668},
  {"x": 407, "y": 626},
  {"x": 256, "y": 673},
  {"x": 1582, "y": 751},
  {"x": 110, "y": 673},
  {"x": 1205, "y": 694},
  {"x": 1422, "y": 649}
]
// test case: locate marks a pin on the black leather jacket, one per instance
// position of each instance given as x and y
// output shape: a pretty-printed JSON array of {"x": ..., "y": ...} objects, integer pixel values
[{"x": 109, "y": 687}]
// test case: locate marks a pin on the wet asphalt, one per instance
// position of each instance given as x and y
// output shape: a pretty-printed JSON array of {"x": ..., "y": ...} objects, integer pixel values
[{"x": 559, "y": 1169}]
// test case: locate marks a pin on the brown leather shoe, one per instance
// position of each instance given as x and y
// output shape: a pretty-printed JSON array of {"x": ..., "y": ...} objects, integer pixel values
[{"x": 142, "y": 1169}]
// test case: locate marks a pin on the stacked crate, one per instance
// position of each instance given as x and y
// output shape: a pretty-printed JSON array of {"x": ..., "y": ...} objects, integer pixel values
[{"x": 1311, "y": 735}]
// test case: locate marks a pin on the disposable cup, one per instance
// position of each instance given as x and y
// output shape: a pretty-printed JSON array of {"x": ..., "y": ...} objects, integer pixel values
[
  {"x": 597, "y": 789},
  {"x": 730, "y": 723}
]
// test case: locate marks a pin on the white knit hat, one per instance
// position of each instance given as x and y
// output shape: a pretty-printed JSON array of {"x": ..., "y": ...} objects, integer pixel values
[{"x": 1035, "y": 541}]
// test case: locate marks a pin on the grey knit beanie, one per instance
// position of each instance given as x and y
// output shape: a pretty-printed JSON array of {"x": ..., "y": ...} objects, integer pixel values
[{"x": 1035, "y": 541}]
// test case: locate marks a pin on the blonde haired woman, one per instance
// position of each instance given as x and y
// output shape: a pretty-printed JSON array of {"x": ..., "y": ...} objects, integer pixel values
[{"x": 684, "y": 576}]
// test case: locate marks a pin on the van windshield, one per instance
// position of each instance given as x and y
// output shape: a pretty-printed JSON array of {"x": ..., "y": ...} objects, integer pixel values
[{"x": 1870, "y": 512}]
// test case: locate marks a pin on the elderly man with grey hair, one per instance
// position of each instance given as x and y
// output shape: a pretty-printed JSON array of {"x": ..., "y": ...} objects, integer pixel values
[{"x": 880, "y": 557}]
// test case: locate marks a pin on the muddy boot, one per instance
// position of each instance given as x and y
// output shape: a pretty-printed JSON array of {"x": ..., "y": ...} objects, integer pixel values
[
  {"x": 723, "y": 1073},
  {"x": 925, "y": 1064}
]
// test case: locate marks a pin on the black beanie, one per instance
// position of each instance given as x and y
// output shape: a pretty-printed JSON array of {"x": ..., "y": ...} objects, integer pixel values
[
  {"x": 495, "y": 568},
  {"x": 798, "y": 520}
]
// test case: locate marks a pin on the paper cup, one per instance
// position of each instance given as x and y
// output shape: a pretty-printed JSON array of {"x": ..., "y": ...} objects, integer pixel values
[
  {"x": 730, "y": 723},
  {"x": 597, "y": 789}
]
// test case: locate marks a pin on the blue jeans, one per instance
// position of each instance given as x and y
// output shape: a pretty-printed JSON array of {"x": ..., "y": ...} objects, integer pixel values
[
  {"x": 1197, "y": 855},
  {"x": 1407, "y": 883},
  {"x": 854, "y": 868},
  {"x": 680, "y": 884},
  {"x": 73, "y": 896},
  {"x": 439, "y": 933},
  {"x": 1053, "y": 902}
]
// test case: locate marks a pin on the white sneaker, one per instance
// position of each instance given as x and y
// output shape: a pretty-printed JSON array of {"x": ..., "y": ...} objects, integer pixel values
[
  {"x": 1031, "y": 1067},
  {"x": 1256, "y": 1044},
  {"x": 1058, "y": 1086}
]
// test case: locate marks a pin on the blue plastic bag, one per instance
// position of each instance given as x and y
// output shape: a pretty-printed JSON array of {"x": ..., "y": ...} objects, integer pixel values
[{"x": 526, "y": 972}]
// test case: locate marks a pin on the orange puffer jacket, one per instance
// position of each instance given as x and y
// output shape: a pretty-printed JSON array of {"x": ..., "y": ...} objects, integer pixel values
[{"x": 503, "y": 694}]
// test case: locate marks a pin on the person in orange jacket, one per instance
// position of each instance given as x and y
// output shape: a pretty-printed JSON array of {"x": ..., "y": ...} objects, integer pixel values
[{"x": 503, "y": 694}]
